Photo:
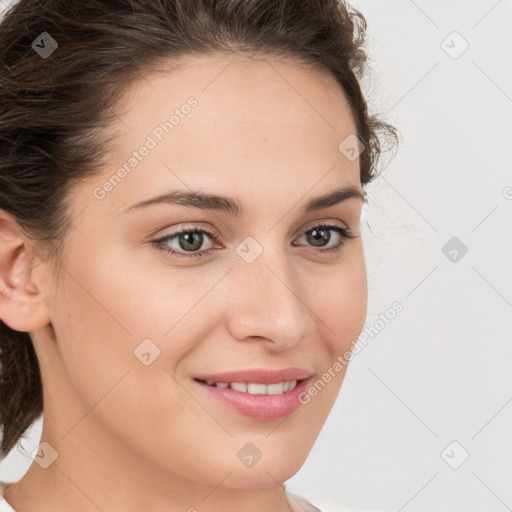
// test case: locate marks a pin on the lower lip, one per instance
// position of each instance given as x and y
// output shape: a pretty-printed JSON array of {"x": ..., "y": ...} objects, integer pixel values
[{"x": 262, "y": 407}]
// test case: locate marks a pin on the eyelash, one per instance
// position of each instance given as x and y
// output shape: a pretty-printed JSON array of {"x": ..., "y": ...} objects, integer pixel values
[{"x": 345, "y": 234}]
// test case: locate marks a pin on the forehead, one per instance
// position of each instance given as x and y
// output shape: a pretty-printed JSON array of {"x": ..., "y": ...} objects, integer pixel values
[
  {"x": 255, "y": 124},
  {"x": 237, "y": 97}
]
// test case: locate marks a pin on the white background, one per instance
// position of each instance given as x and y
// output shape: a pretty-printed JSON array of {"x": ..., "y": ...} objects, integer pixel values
[{"x": 440, "y": 371}]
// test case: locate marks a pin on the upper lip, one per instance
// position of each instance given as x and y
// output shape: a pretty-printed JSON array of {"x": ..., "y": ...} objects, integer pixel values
[{"x": 258, "y": 376}]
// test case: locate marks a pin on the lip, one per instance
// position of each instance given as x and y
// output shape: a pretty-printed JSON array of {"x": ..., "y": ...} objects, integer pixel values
[
  {"x": 261, "y": 407},
  {"x": 258, "y": 375}
]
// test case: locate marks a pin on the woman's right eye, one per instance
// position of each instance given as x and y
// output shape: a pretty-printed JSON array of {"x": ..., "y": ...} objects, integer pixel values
[{"x": 188, "y": 240}]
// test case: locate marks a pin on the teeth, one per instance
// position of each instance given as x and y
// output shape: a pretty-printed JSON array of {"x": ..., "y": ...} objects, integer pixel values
[
  {"x": 239, "y": 386},
  {"x": 257, "y": 389},
  {"x": 275, "y": 389},
  {"x": 218, "y": 384}
]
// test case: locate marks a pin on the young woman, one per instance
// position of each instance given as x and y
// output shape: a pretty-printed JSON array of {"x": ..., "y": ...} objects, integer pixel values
[{"x": 181, "y": 268}]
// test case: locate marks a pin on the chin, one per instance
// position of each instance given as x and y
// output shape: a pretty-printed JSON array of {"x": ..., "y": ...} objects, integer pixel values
[
  {"x": 260, "y": 480},
  {"x": 264, "y": 473}
]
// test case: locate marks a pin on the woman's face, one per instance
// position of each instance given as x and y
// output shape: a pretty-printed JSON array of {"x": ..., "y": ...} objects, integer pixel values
[{"x": 132, "y": 325}]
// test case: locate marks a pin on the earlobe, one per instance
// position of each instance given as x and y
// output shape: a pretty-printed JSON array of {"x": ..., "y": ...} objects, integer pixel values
[{"x": 22, "y": 303}]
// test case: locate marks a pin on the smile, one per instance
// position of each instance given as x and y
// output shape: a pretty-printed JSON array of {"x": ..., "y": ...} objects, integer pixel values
[
  {"x": 256, "y": 400},
  {"x": 256, "y": 388}
]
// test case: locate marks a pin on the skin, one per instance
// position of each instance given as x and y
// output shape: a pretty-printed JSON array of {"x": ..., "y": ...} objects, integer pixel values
[{"x": 131, "y": 437}]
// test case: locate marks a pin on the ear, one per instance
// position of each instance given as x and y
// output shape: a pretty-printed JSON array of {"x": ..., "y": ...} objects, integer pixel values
[{"x": 22, "y": 302}]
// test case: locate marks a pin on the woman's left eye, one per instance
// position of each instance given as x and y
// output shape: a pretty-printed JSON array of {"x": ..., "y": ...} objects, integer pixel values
[
  {"x": 191, "y": 240},
  {"x": 320, "y": 234}
]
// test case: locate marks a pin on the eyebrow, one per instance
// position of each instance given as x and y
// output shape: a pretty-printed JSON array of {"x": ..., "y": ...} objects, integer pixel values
[{"x": 234, "y": 207}]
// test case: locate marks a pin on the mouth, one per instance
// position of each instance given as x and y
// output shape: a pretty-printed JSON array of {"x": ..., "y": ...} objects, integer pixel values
[
  {"x": 255, "y": 400},
  {"x": 255, "y": 388},
  {"x": 257, "y": 376}
]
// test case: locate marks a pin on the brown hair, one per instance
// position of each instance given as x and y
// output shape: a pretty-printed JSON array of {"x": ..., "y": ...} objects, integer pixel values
[{"x": 53, "y": 109}]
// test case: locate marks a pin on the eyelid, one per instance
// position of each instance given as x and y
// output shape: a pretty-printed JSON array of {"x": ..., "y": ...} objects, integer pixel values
[
  {"x": 342, "y": 230},
  {"x": 315, "y": 223},
  {"x": 200, "y": 226}
]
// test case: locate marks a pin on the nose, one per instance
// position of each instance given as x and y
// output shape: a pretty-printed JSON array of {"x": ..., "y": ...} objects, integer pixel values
[{"x": 267, "y": 302}]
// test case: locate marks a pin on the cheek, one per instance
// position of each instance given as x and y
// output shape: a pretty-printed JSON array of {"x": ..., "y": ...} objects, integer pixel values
[
  {"x": 106, "y": 382},
  {"x": 112, "y": 316},
  {"x": 94, "y": 341},
  {"x": 340, "y": 304}
]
